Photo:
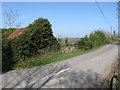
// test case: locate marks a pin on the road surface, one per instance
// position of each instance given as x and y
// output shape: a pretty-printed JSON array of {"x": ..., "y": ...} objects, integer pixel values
[{"x": 89, "y": 70}]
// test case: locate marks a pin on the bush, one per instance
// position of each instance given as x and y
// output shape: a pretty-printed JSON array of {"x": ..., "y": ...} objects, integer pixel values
[
  {"x": 6, "y": 49},
  {"x": 84, "y": 43},
  {"x": 95, "y": 39},
  {"x": 36, "y": 40},
  {"x": 6, "y": 55}
]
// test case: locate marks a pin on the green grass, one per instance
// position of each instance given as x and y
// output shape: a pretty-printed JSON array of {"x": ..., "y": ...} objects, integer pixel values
[{"x": 50, "y": 58}]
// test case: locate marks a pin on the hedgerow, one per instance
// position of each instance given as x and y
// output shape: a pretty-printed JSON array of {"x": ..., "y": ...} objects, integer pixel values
[
  {"x": 95, "y": 39},
  {"x": 36, "y": 40}
]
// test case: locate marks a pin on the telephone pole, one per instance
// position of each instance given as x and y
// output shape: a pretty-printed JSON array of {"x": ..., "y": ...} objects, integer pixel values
[
  {"x": 119, "y": 33},
  {"x": 111, "y": 29}
]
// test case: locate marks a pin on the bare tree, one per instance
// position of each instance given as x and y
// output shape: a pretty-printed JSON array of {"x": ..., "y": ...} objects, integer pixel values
[{"x": 11, "y": 18}]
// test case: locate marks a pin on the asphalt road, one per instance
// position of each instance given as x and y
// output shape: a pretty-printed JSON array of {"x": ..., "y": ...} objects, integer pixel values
[{"x": 89, "y": 70}]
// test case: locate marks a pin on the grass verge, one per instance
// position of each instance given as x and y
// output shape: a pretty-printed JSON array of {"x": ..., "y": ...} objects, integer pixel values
[{"x": 50, "y": 58}]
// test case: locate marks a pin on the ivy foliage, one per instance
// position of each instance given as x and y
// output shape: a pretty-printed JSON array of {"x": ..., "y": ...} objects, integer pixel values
[
  {"x": 37, "y": 39},
  {"x": 7, "y": 32}
]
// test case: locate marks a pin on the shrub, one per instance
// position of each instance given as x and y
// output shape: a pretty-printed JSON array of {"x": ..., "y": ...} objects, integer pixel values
[
  {"x": 37, "y": 39},
  {"x": 6, "y": 49},
  {"x": 84, "y": 43},
  {"x": 6, "y": 55},
  {"x": 97, "y": 38}
]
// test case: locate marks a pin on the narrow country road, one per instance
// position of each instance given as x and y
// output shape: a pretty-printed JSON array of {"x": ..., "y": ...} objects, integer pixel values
[{"x": 89, "y": 70}]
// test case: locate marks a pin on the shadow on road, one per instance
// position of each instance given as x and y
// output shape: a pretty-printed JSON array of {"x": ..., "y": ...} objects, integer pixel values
[
  {"x": 79, "y": 79},
  {"x": 42, "y": 78}
]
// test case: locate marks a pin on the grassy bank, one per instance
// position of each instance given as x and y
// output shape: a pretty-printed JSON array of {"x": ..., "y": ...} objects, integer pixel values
[{"x": 50, "y": 58}]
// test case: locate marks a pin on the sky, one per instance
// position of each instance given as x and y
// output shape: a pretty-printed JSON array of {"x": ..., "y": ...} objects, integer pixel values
[{"x": 68, "y": 19}]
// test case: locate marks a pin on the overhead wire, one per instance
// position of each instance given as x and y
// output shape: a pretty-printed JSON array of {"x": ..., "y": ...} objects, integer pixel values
[{"x": 102, "y": 13}]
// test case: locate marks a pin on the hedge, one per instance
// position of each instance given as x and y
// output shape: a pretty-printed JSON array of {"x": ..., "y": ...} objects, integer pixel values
[
  {"x": 95, "y": 39},
  {"x": 37, "y": 39}
]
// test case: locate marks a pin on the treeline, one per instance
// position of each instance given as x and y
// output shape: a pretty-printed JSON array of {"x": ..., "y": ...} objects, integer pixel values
[{"x": 34, "y": 41}]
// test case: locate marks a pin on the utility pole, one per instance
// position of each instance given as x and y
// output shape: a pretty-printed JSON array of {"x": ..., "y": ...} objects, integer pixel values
[
  {"x": 119, "y": 19},
  {"x": 118, "y": 37},
  {"x": 111, "y": 30}
]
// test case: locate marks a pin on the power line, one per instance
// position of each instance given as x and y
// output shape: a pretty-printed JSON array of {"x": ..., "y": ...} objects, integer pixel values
[{"x": 102, "y": 13}]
